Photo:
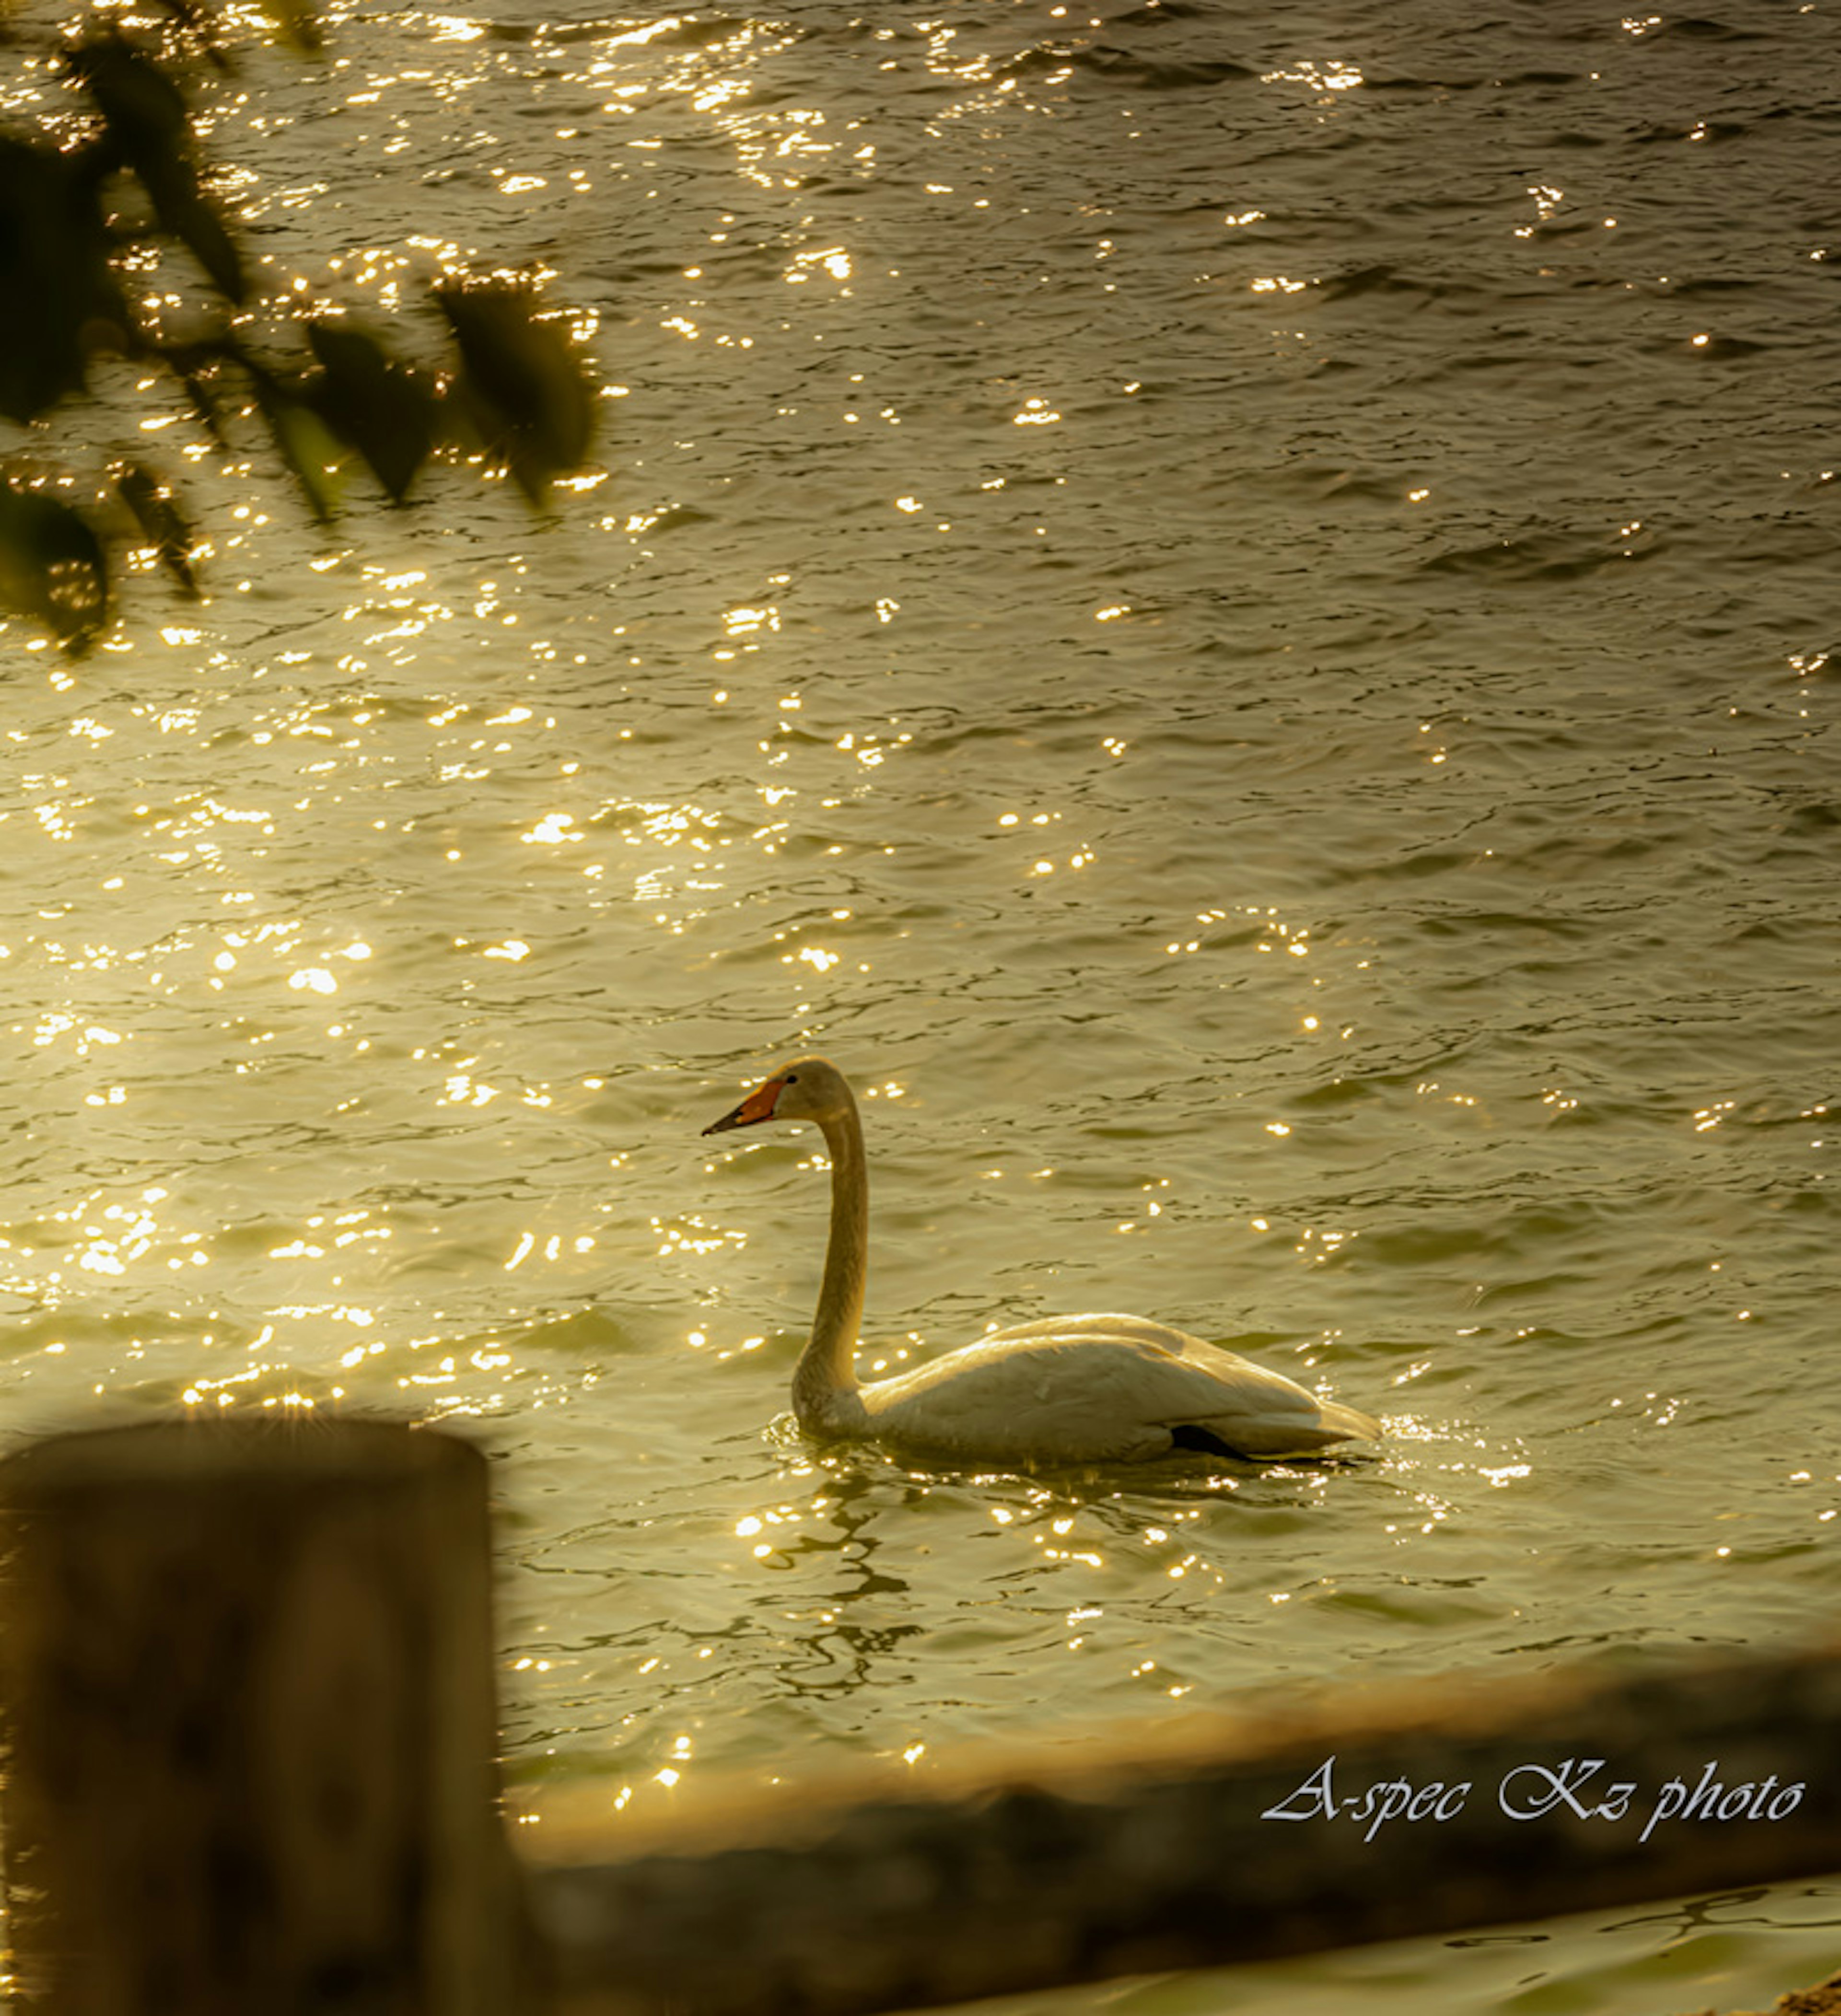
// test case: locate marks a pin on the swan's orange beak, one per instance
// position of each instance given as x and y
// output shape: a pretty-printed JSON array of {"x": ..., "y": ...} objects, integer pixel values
[{"x": 758, "y": 1106}]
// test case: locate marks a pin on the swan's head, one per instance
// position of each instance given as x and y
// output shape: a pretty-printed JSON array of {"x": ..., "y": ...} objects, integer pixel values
[{"x": 808, "y": 1088}]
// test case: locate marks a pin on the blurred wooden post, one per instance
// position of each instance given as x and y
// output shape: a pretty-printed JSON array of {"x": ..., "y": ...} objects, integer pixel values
[{"x": 246, "y": 1674}]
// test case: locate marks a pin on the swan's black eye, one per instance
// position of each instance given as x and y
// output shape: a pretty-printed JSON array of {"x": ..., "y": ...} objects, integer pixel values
[{"x": 791, "y": 1077}]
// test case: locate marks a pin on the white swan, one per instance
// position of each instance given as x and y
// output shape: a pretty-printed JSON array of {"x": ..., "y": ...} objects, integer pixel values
[{"x": 1064, "y": 1389}]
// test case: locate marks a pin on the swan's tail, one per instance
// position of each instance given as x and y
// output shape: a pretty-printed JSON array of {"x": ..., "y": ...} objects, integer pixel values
[
  {"x": 1292, "y": 1433},
  {"x": 1347, "y": 1424}
]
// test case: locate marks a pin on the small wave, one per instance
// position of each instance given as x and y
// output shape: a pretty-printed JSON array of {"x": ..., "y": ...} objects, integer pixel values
[
  {"x": 1540, "y": 557},
  {"x": 1123, "y": 67}
]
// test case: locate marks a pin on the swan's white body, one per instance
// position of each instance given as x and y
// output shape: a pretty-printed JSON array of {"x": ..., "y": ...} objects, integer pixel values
[{"x": 1064, "y": 1389}]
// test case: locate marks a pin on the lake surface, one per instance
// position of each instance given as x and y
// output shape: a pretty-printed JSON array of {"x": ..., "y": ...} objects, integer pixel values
[{"x": 1232, "y": 608}]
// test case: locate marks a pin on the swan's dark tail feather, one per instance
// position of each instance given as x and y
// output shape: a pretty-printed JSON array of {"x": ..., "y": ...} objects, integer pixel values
[{"x": 1280, "y": 1438}]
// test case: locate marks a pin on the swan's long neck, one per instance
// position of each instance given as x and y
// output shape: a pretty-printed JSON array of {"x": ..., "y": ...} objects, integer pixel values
[{"x": 826, "y": 1370}]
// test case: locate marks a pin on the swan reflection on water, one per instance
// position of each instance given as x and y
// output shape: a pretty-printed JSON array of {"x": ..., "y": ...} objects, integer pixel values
[{"x": 1092, "y": 1388}]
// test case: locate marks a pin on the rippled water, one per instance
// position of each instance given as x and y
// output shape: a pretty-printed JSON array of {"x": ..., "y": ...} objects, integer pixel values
[{"x": 1232, "y": 608}]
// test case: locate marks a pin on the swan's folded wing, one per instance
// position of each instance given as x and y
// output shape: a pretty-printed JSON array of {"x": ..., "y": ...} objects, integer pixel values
[{"x": 1101, "y": 1389}]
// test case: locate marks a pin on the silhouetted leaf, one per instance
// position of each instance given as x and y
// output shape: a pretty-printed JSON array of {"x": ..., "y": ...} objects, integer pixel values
[
  {"x": 142, "y": 107},
  {"x": 197, "y": 366},
  {"x": 382, "y": 408},
  {"x": 51, "y": 565},
  {"x": 310, "y": 450},
  {"x": 58, "y": 300},
  {"x": 190, "y": 215},
  {"x": 149, "y": 131},
  {"x": 160, "y": 520},
  {"x": 522, "y": 384}
]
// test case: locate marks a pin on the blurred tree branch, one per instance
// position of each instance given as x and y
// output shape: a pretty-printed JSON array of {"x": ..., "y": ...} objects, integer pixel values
[{"x": 79, "y": 202}]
